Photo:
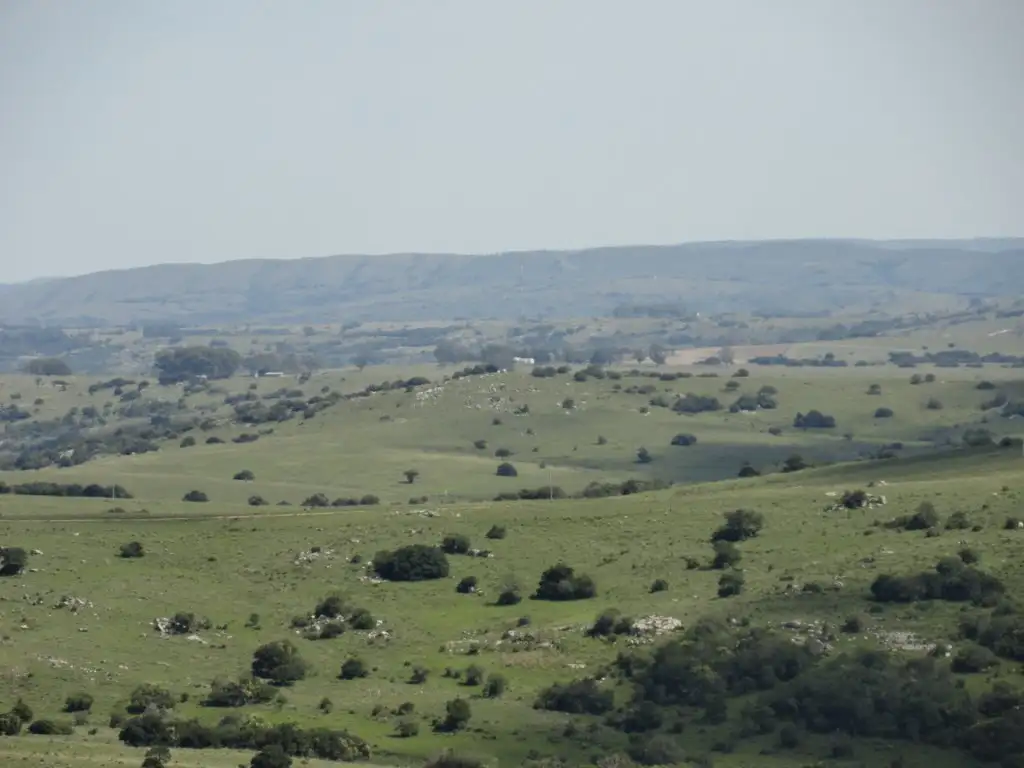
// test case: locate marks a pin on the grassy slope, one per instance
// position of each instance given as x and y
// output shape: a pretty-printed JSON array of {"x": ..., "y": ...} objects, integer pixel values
[
  {"x": 228, "y": 560},
  {"x": 228, "y": 569}
]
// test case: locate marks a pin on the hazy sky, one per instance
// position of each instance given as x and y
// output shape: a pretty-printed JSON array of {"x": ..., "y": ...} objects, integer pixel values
[{"x": 143, "y": 131}]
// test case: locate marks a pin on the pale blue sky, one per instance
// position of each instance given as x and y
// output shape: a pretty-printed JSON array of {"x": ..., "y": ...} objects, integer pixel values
[{"x": 144, "y": 131}]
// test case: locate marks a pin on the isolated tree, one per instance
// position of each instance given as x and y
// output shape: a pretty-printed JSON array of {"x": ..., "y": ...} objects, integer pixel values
[
  {"x": 740, "y": 525},
  {"x": 246, "y": 475},
  {"x": 506, "y": 469},
  {"x": 411, "y": 475}
]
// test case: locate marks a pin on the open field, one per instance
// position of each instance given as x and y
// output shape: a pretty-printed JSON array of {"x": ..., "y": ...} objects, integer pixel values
[{"x": 227, "y": 569}]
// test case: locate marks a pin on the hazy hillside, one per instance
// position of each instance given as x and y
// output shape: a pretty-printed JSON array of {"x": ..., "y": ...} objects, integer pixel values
[{"x": 806, "y": 275}]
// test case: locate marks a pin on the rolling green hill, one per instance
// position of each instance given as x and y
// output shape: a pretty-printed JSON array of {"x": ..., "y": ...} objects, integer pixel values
[{"x": 780, "y": 276}]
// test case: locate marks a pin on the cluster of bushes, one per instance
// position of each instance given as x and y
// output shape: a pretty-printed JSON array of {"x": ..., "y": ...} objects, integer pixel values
[
  {"x": 69, "y": 490},
  {"x": 414, "y": 562},
  {"x": 1000, "y": 630},
  {"x": 924, "y": 518},
  {"x": 790, "y": 688},
  {"x": 152, "y": 729},
  {"x": 20, "y": 715},
  {"x": 321, "y": 500},
  {"x": 246, "y": 690},
  {"x": 691, "y": 403},
  {"x": 952, "y": 579},
  {"x": 593, "y": 490},
  {"x": 762, "y": 400},
  {"x": 533, "y": 494},
  {"x": 331, "y": 617}
]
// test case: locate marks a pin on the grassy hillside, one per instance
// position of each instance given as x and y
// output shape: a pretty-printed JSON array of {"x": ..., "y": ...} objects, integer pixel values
[
  {"x": 555, "y": 431},
  {"x": 79, "y": 619},
  {"x": 228, "y": 569},
  {"x": 782, "y": 276}
]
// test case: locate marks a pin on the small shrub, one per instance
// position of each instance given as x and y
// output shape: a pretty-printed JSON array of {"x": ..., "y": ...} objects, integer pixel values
[
  {"x": 458, "y": 714},
  {"x": 467, "y": 585},
  {"x": 50, "y": 728},
  {"x": 271, "y": 756},
  {"x": 419, "y": 675},
  {"x": 495, "y": 686},
  {"x": 726, "y": 555},
  {"x": 474, "y": 675},
  {"x": 79, "y": 702},
  {"x": 958, "y": 521},
  {"x": 480, "y": 445},
  {"x": 933, "y": 404},
  {"x": 730, "y": 583},
  {"x": 659, "y": 585},
  {"x": 684, "y": 439},
  {"x": 406, "y": 729},
  {"x": 643, "y": 456},
  {"x": 502, "y": 453},
  {"x": 257, "y": 501},
  {"x": 132, "y": 549},
  {"x": 969, "y": 556},
  {"x": 10, "y": 724},
  {"x": 496, "y": 532},
  {"x": 455, "y": 544},
  {"x": 883, "y": 413},
  {"x": 197, "y": 496},
  {"x": 509, "y": 597},
  {"x": 353, "y": 669},
  {"x": 506, "y": 469},
  {"x": 853, "y": 625},
  {"x": 13, "y": 560},
  {"x": 22, "y": 711},
  {"x": 187, "y": 442}
]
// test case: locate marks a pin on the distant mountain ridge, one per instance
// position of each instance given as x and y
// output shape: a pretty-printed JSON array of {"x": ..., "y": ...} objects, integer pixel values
[{"x": 792, "y": 275}]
